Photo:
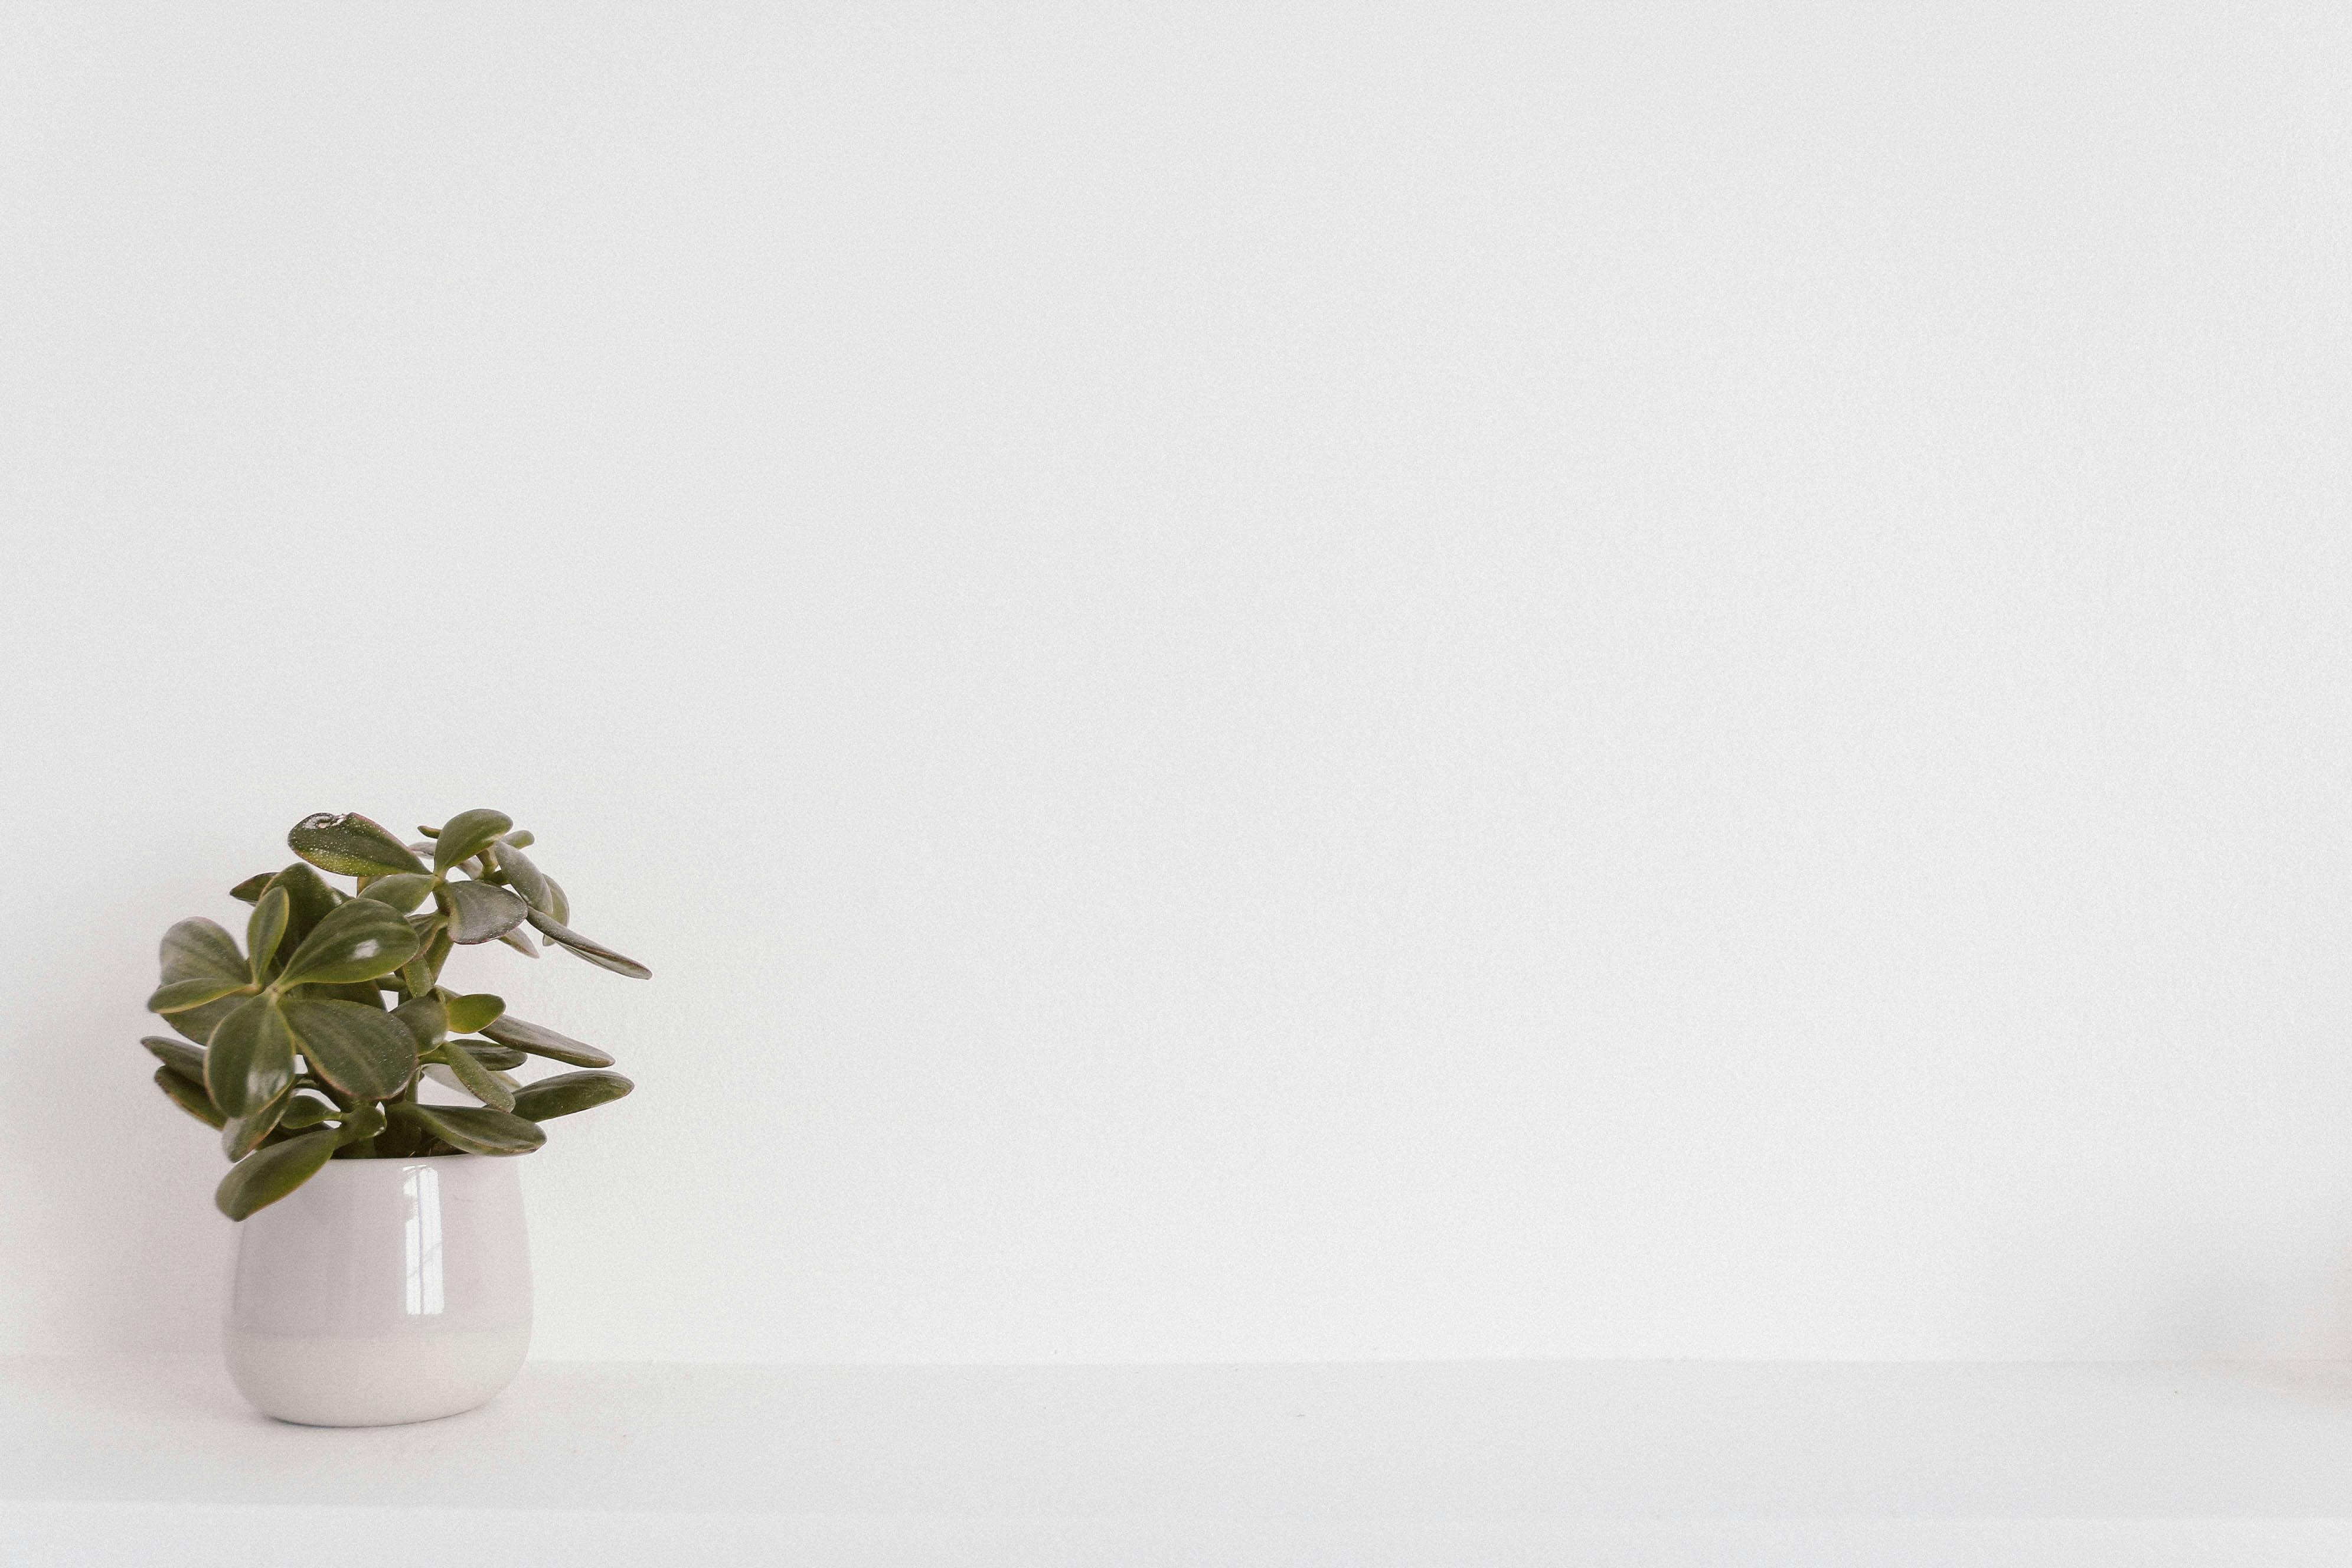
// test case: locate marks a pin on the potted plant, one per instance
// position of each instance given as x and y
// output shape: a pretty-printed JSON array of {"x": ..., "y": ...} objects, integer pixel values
[{"x": 382, "y": 1270}]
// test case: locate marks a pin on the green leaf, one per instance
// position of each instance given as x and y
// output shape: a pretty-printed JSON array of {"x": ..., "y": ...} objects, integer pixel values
[
  {"x": 467, "y": 1013},
  {"x": 506, "y": 1081},
  {"x": 419, "y": 974},
  {"x": 241, "y": 1135},
  {"x": 359, "y": 941},
  {"x": 403, "y": 891},
  {"x": 481, "y": 910},
  {"x": 427, "y": 1018},
  {"x": 309, "y": 901},
  {"x": 188, "y": 1061},
  {"x": 543, "y": 1041},
  {"x": 198, "y": 1023},
  {"x": 189, "y": 1096},
  {"x": 263, "y": 930},
  {"x": 363, "y": 991},
  {"x": 249, "y": 890},
  {"x": 520, "y": 940},
  {"x": 472, "y": 865},
  {"x": 198, "y": 949},
  {"x": 476, "y": 1080},
  {"x": 307, "y": 1111},
  {"x": 594, "y": 952},
  {"x": 350, "y": 846},
  {"x": 266, "y": 1175},
  {"x": 251, "y": 1060},
  {"x": 498, "y": 1059},
  {"x": 466, "y": 835},
  {"x": 179, "y": 995},
  {"x": 482, "y": 1132},
  {"x": 567, "y": 1092},
  {"x": 521, "y": 840},
  {"x": 557, "y": 904},
  {"x": 526, "y": 878},
  {"x": 364, "y": 1123},
  {"x": 367, "y": 1054}
]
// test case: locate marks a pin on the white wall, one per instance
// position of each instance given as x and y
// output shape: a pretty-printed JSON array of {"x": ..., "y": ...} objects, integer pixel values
[{"x": 1272, "y": 683}]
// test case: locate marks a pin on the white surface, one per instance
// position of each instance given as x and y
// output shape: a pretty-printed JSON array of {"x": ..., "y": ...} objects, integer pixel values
[
  {"x": 1267, "y": 681},
  {"x": 382, "y": 1291},
  {"x": 1665, "y": 1463}
]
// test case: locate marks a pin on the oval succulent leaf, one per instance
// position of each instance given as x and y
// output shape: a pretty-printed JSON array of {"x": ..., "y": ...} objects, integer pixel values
[
  {"x": 466, "y": 835},
  {"x": 420, "y": 974},
  {"x": 189, "y": 1096},
  {"x": 471, "y": 865},
  {"x": 307, "y": 1111},
  {"x": 357, "y": 940},
  {"x": 251, "y": 1059},
  {"x": 199, "y": 949},
  {"x": 416, "y": 975},
  {"x": 367, "y": 1054},
  {"x": 364, "y": 1123},
  {"x": 186, "y": 1060},
  {"x": 467, "y": 1013},
  {"x": 596, "y": 952},
  {"x": 479, "y": 912},
  {"x": 558, "y": 904},
  {"x": 525, "y": 877},
  {"x": 497, "y": 1057},
  {"x": 402, "y": 891},
  {"x": 476, "y": 1132},
  {"x": 179, "y": 995},
  {"x": 366, "y": 992},
  {"x": 266, "y": 1175},
  {"x": 522, "y": 839},
  {"x": 198, "y": 1023},
  {"x": 241, "y": 1135},
  {"x": 265, "y": 929},
  {"x": 427, "y": 1018},
  {"x": 477, "y": 1079},
  {"x": 567, "y": 1092},
  {"x": 541, "y": 1041},
  {"x": 350, "y": 846},
  {"x": 249, "y": 890},
  {"x": 520, "y": 940},
  {"x": 309, "y": 901}
]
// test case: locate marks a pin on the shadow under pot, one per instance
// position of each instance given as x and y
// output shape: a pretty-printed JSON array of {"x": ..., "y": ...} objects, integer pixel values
[{"x": 381, "y": 1291}]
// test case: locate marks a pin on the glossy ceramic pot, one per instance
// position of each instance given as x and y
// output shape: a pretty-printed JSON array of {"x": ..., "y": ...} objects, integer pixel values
[{"x": 382, "y": 1291}]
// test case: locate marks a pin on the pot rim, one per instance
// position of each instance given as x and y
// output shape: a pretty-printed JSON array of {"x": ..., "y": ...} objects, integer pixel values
[{"x": 397, "y": 1160}]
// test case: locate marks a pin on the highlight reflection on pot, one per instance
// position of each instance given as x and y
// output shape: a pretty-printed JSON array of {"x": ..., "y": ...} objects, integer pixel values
[{"x": 422, "y": 1186}]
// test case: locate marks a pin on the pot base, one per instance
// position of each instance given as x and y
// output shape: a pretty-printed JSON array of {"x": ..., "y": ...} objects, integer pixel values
[{"x": 383, "y": 1381}]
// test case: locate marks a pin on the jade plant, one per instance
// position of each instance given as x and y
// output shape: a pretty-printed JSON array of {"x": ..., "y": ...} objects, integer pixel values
[{"x": 307, "y": 1044}]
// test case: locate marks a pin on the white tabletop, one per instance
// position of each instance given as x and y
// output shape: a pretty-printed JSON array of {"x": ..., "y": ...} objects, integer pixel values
[{"x": 1617, "y": 1462}]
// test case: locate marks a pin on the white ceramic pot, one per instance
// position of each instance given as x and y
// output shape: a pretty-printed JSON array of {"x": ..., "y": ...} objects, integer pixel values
[{"x": 382, "y": 1291}]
